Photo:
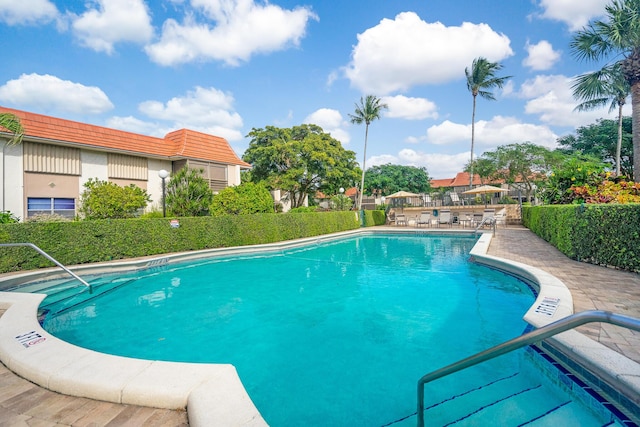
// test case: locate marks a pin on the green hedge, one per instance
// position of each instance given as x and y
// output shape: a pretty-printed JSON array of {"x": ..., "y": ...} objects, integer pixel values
[
  {"x": 374, "y": 217},
  {"x": 103, "y": 240},
  {"x": 603, "y": 234}
]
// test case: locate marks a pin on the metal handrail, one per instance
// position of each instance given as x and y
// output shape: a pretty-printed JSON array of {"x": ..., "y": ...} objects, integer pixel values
[
  {"x": 562, "y": 325},
  {"x": 50, "y": 258},
  {"x": 490, "y": 220}
]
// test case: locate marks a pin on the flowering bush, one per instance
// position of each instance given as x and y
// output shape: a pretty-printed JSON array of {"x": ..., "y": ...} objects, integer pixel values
[{"x": 609, "y": 190}]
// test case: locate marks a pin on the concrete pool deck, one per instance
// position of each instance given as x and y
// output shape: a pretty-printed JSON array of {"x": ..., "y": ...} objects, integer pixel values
[{"x": 587, "y": 284}]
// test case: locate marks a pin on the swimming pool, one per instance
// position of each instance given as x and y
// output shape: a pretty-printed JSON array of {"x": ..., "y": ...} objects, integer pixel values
[{"x": 332, "y": 334}]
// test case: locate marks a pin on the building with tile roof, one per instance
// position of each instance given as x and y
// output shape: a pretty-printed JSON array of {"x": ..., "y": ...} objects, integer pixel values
[{"x": 47, "y": 172}]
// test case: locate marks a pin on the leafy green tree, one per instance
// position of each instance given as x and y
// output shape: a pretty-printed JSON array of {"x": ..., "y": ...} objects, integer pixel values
[
  {"x": 369, "y": 109},
  {"x": 391, "y": 178},
  {"x": 524, "y": 163},
  {"x": 300, "y": 161},
  {"x": 484, "y": 168},
  {"x": 103, "y": 199},
  {"x": 188, "y": 193},
  {"x": 12, "y": 124},
  {"x": 480, "y": 78},
  {"x": 615, "y": 36},
  {"x": 599, "y": 88},
  {"x": 246, "y": 198},
  {"x": 572, "y": 170},
  {"x": 598, "y": 140}
]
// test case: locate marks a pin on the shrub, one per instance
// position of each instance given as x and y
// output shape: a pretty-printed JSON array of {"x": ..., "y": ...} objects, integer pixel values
[
  {"x": 102, "y": 200},
  {"x": 82, "y": 242},
  {"x": 188, "y": 193},
  {"x": 246, "y": 198},
  {"x": 603, "y": 234},
  {"x": 7, "y": 217}
]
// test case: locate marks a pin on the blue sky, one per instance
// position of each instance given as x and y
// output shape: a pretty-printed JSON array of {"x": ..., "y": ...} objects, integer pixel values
[{"x": 227, "y": 66}]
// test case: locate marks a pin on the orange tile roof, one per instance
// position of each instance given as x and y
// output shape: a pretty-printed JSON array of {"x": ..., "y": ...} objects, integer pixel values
[{"x": 180, "y": 144}]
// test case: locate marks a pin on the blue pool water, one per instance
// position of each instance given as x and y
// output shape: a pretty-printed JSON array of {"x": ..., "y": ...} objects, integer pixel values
[{"x": 335, "y": 334}]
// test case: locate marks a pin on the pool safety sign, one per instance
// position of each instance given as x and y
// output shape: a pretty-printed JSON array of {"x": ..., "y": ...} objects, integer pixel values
[
  {"x": 548, "y": 306},
  {"x": 30, "y": 339}
]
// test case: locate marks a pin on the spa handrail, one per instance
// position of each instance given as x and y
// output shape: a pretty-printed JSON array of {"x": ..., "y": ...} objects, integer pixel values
[
  {"x": 50, "y": 258},
  {"x": 562, "y": 325},
  {"x": 489, "y": 220}
]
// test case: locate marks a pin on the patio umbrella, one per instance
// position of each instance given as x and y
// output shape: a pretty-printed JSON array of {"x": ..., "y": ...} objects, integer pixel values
[
  {"x": 401, "y": 195},
  {"x": 485, "y": 189}
]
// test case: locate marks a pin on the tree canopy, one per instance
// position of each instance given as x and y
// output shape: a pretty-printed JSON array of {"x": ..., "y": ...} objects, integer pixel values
[
  {"x": 609, "y": 39},
  {"x": 12, "y": 123},
  {"x": 525, "y": 163},
  {"x": 391, "y": 178},
  {"x": 599, "y": 140},
  {"x": 301, "y": 160}
]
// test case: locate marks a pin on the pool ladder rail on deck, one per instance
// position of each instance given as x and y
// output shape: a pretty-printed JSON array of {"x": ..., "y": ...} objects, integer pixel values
[
  {"x": 50, "y": 258},
  {"x": 562, "y": 325}
]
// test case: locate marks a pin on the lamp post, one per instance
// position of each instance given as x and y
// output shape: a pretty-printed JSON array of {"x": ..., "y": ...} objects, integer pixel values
[{"x": 163, "y": 174}]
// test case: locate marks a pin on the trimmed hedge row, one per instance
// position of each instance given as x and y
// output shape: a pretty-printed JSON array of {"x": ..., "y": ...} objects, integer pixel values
[
  {"x": 375, "y": 217},
  {"x": 602, "y": 234},
  {"x": 104, "y": 240}
]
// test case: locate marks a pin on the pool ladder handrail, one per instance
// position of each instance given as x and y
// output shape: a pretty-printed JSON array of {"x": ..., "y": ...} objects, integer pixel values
[
  {"x": 489, "y": 220},
  {"x": 562, "y": 325},
  {"x": 50, "y": 258}
]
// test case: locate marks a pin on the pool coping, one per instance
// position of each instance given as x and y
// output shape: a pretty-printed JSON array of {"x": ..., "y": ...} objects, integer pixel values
[{"x": 213, "y": 393}]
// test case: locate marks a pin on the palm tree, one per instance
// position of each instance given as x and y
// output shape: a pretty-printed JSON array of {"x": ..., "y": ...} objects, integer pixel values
[
  {"x": 617, "y": 35},
  {"x": 599, "y": 88},
  {"x": 367, "y": 111},
  {"x": 481, "y": 77},
  {"x": 11, "y": 123}
]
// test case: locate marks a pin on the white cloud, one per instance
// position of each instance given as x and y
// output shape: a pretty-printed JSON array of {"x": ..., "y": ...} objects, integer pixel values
[
  {"x": 113, "y": 21},
  {"x": 207, "y": 110},
  {"x": 575, "y": 13},
  {"x": 402, "y": 107},
  {"x": 490, "y": 134},
  {"x": 49, "y": 93},
  {"x": 541, "y": 56},
  {"x": 407, "y": 51},
  {"x": 132, "y": 124},
  {"x": 330, "y": 121},
  {"x": 233, "y": 31},
  {"x": 550, "y": 98},
  {"x": 27, "y": 12}
]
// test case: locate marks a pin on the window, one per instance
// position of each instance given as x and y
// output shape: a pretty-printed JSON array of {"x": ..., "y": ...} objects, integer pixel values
[
  {"x": 127, "y": 167},
  {"x": 48, "y": 205}
]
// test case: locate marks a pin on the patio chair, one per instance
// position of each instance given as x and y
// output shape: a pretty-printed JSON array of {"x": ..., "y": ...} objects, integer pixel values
[
  {"x": 425, "y": 219},
  {"x": 401, "y": 220},
  {"x": 477, "y": 219},
  {"x": 488, "y": 217},
  {"x": 445, "y": 217},
  {"x": 500, "y": 217},
  {"x": 456, "y": 199},
  {"x": 465, "y": 218}
]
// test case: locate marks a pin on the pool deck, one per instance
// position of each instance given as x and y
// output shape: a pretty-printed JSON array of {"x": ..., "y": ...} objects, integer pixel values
[{"x": 592, "y": 287}]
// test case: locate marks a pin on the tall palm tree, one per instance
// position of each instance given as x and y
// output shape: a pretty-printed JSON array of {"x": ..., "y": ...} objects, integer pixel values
[
  {"x": 480, "y": 78},
  {"x": 11, "y": 122},
  {"x": 615, "y": 36},
  {"x": 368, "y": 110},
  {"x": 599, "y": 88}
]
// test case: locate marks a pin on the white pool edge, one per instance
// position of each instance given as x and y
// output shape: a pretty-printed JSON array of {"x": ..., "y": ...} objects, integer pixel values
[
  {"x": 213, "y": 393},
  {"x": 614, "y": 368}
]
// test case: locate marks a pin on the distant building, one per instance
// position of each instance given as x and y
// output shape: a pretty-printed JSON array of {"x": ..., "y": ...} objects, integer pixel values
[{"x": 47, "y": 172}]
